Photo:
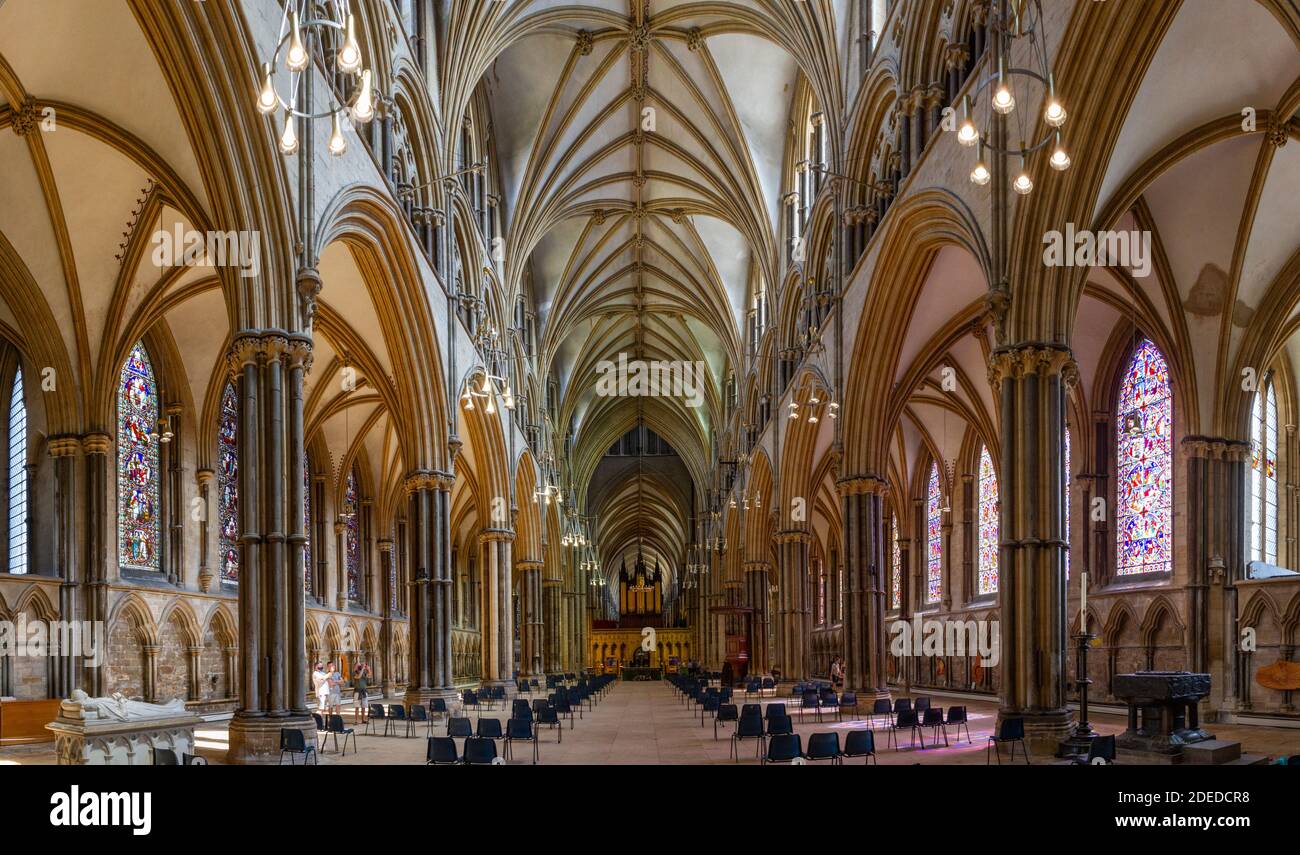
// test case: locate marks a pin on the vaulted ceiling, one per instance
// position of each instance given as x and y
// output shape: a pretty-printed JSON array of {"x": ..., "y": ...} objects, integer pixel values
[{"x": 641, "y": 149}]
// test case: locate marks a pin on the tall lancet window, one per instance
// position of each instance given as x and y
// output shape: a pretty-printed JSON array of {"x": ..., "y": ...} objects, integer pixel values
[
  {"x": 352, "y": 518},
  {"x": 228, "y": 485},
  {"x": 1261, "y": 513},
  {"x": 896, "y": 564},
  {"x": 138, "y": 478},
  {"x": 17, "y": 477},
  {"x": 934, "y": 538},
  {"x": 1145, "y": 465},
  {"x": 988, "y": 525}
]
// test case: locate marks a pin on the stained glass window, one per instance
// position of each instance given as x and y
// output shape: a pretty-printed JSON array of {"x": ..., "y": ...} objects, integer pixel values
[
  {"x": 1145, "y": 462},
  {"x": 896, "y": 579},
  {"x": 821, "y": 593},
  {"x": 934, "y": 538},
  {"x": 228, "y": 485},
  {"x": 1261, "y": 513},
  {"x": 138, "y": 527},
  {"x": 1068, "y": 473},
  {"x": 988, "y": 525},
  {"x": 17, "y": 477},
  {"x": 352, "y": 517}
]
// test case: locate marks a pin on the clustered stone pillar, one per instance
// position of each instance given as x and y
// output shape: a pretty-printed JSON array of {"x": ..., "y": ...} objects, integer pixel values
[
  {"x": 530, "y": 573},
  {"x": 1032, "y": 383},
  {"x": 428, "y": 526},
  {"x": 552, "y": 601},
  {"x": 387, "y": 596},
  {"x": 268, "y": 369},
  {"x": 98, "y": 448},
  {"x": 863, "y": 509},
  {"x": 1216, "y": 560},
  {"x": 498, "y": 614},
  {"x": 793, "y": 618},
  {"x": 64, "y": 450},
  {"x": 756, "y": 584}
]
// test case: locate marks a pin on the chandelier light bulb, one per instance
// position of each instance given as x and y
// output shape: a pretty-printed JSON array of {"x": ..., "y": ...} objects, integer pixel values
[
  {"x": 350, "y": 53},
  {"x": 980, "y": 174},
  {"x": 1003, "y": 101},
  {"x": 509, "y": 398},
  {"x": 297, "y": 57},
  {"x": 1023, "y": 183},
  {"x": 338, "y": 144},
  {"x": 1054, "y": 115},
  {"x": 469, "y": 401},
  {"x": 267, "y": 100},
  {"x": 289, "y": 137},
  {"x": 487, "y": 385},
  {"x": 968, "y": 134},
  {"x": 1060, "y": 160},
  {"x": 491, "y": 408},
  {"x": 364, "y": 109}
]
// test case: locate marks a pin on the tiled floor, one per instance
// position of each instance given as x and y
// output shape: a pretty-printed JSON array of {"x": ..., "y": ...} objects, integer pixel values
[{"x": 644, "y": 723}]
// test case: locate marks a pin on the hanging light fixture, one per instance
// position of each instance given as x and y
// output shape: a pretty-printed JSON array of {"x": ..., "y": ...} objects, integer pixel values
[
  {"x": 303, "y": 29},
  {"x": 1009, "y": 23}
]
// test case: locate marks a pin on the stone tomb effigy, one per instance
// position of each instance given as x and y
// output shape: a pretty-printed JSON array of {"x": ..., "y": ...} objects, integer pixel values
[{"x": 118, "y": 731}]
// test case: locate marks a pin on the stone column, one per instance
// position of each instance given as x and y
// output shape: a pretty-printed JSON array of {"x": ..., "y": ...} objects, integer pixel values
[
  {"x": 73, "y": 604},
  {"x": 98, "y": 448},
  {"x": 194, "y": 689},
  {"x": 150, "y": 677},
  {"x": 862, "y": 500},
  {"x": 388, "y": 686},
  {"x": 756, "y": 585},
  {"x": 792, "y": 609},
  {"x": 497, "y": 624},
  {"x": 1031, "y": 382},
  {"x": 205, "y": 478},
  {"x": 429, "y": 569},
  {"x": 341, "y": 564},
  {"x": 1216, "y": 561},
  {"x": 531, "y": 635},
  {"x": 553, "y": 630},
  {"x": 268, "y": 369}
]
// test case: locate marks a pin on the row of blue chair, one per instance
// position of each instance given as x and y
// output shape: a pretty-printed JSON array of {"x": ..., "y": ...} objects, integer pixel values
[{"x": 788, "y": 748}]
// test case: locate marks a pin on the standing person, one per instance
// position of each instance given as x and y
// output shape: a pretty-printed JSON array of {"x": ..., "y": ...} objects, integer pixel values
[
  {"x": 321, "y": 684},
  {"x": 361, "y": 686},
  {"x": 837, "y": 673},
  {"x": 335, "y": 682}
]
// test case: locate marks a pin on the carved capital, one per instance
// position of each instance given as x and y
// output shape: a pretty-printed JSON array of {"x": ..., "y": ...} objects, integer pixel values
[
  {"x": 1024, "y": 360},
  {"x": 1216, "y": 448},
  {"x": 97, "y": 443},
  {"x": 421, "y": 479},
  {"x": 694, "y": 40},
  {"x": 243, "y": 351},
  {"x": 856, "y": 485},
  {"x": 584, "y": 43},
  {"x": 502, "y": 535},
  {"x": 299, "y": 352},
  {"x": 64, "y": 446}
]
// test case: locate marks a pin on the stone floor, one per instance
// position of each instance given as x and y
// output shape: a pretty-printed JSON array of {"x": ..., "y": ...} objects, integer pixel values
[{"x": 644, "y": 723}]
